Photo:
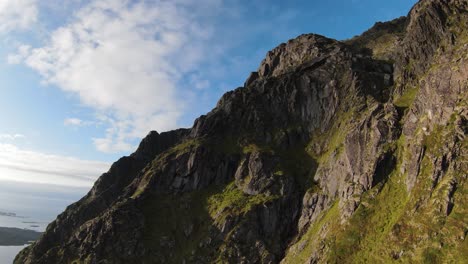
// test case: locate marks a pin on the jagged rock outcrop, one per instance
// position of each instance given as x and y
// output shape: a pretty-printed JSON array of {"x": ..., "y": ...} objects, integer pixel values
[
  {"x": 382, "y": 40},
  {"x": 332, "y": 152},
  {"x": 69, "y": 225}
]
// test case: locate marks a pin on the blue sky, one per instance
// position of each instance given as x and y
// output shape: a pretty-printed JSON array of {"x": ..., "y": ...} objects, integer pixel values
[{"x": 83, "y": 81}]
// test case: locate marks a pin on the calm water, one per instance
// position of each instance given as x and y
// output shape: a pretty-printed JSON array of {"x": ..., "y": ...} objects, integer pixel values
[
  {"x": 37, "y": 206},
  {"x": 7, "y": 254},
  {"x": 31, "y": 223}
]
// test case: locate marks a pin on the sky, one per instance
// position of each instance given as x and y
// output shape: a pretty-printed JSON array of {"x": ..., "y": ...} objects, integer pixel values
[{"x": 82, "y": 81}]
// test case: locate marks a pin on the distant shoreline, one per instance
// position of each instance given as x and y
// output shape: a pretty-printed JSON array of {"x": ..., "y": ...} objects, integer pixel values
[{"x": 10, "y": 236}]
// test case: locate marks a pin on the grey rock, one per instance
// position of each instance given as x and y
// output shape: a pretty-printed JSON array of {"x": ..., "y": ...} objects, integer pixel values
[{"x": 300, "y": 96}]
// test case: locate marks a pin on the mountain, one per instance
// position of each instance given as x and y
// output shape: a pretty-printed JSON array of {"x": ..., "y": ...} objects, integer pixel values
[
  {"x": 16, "y": 236},
  {"x": 332, "y": 152}
]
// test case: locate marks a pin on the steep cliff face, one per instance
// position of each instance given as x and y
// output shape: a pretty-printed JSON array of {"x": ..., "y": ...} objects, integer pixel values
[
  {"x": 417, "y": 213},
  {"x": 333, "y": 152}
]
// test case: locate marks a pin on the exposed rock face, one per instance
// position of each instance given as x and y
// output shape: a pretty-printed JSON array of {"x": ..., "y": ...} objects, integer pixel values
[
  {"x": 382, "y": 40},
  {"x": 287, "y": 56},
  {"x": 333, "y": 152},
  {"x": 363, "y": 162},
  {"x": 72, "y": 225}
]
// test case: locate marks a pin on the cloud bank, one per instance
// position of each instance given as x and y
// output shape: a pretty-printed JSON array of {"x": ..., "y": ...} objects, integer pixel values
[
  {"x": 17, "y": 14},
  {"x": 125, "y": 59},
  {"x": 34, "y": 167},
  {"x": 11, "y": 136},
  {"x": 144, "y": 65}
]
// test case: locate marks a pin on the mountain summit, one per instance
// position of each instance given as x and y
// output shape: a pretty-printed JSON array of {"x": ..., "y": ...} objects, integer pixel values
[{"x": 333, "y": 152}]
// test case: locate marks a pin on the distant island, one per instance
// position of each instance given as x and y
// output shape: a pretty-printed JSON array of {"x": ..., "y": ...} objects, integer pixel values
[
  {"x": 10, "y": 214},
  {"x": 7, "y": 214},
  {"x": 17, "y": 237}
]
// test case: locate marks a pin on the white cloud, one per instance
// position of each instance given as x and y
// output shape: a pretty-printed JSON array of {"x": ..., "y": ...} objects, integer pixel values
[
  {"x": 77, "y": 122},
  {"x": 125, "y": 59},
  {"x": 35, "y": 167},
  {"x": 11, "y": 136},
  {"x": 198, "y": 82},
  {"x": 17, "y": 14},
  {"x": 73, "y": 122},
  {"x": 142, "y": 64},
  {"x": 23, "y": 52}
]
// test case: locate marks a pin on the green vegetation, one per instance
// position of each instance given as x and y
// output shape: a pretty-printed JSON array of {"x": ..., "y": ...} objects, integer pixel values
[
  {"x": 381, "y": 39},
  {"x": 87, "y": 260},
  {"x": 393, "y": 225},
  {"x": 257, "y": 148},
  {"x": 457, "y": 26},
  {"x": 294, "y": 162},
  {"x": 389, "y": 225},
  {"x": 410, "y": 66},
  {"x": 333, "y": 140},
  {"x": 179, "y": 149},
  {"x": 440, "y": 236},
  {"x": 360, "y": 240},
  {"x": 407, "y": 98},
  {"x": 326, "y": 223},
  {"x": 175, "y": 151},
  {"x": 232, "y": 201},
  {"x": 179, "y": 223},
  {"x": 375, "y": 218},
  {"x": 435, "y": 141}
]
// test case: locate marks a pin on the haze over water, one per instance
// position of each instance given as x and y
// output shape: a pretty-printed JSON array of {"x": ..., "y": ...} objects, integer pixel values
[{"x": 35, "y": 206}]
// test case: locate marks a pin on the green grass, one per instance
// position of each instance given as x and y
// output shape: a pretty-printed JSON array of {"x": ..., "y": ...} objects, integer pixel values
[
  {"x": 257, "y": 148},
  {"x": 361, "y": 240},
  {"x": 293, "y": 162},
  {"x": 435, "y": 141},
  {"x": 168, "y": 216},
  {"x": 386, "y": 222},
  {"x": 178, "y": 150},
  {"x": 301, "y": 251},
  {"x": 407, "y": 98},
  {"x": 232, "y": 201},
  {"x": 390, "y": 221},
  {"x": 381, "y": 41},
  {"x": 333, "y": 140}
]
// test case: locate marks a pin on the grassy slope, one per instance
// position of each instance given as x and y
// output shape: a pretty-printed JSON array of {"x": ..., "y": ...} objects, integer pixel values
[{"x": 392, "y": 225}]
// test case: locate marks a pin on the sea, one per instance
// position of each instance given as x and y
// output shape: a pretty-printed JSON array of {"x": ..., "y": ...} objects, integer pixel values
[
  {"x": 8, "y": 253},
  {"x": 32, "y": 206}
]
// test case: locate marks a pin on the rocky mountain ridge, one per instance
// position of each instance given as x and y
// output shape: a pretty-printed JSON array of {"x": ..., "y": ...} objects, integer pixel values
[{"x": 332, "y": 152}]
